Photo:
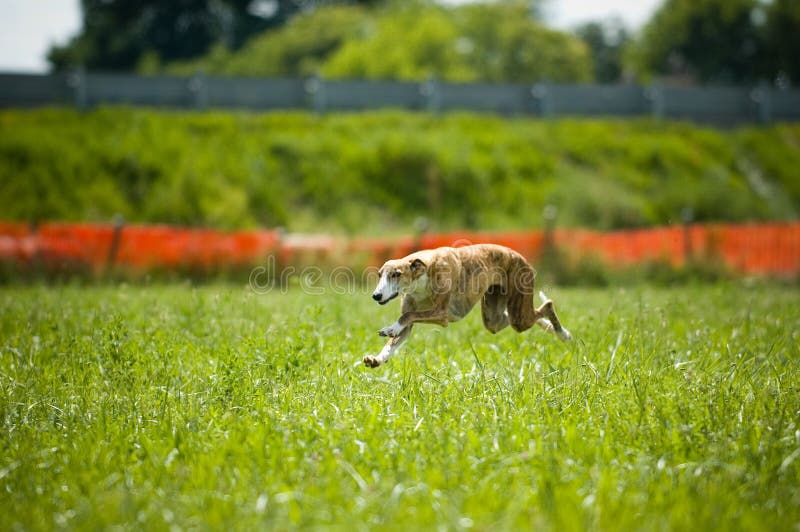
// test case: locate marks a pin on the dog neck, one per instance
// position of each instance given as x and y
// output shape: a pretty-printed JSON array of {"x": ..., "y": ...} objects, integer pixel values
[{"x": 418, "y": 290}]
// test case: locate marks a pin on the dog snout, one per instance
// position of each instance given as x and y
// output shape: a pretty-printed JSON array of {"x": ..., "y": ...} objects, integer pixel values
[{"x": 376, "y": 296}]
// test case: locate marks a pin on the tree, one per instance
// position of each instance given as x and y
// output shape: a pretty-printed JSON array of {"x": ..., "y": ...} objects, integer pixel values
[
  {"x": 606, "y": 41},
  {"x": 298, "y": 48},
  {"x": 411, "y": 42},
  {"x": 508, "y": 43},
  {"x": 728, "y": 41},
  {"x": 782, "y": 41},
  {"x": 500, "y": 42},
  {"x": 118, "y": 34}
]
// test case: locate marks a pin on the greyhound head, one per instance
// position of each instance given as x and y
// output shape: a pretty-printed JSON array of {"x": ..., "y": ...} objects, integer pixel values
[{"x": 398, "y": 277}]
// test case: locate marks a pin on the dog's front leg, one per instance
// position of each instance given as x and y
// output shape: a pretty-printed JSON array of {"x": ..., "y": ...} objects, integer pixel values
[
  {"x": 394, "y": 330},
  {"x": 435, "y": 316},
  {"x": 388, "y": 350}
]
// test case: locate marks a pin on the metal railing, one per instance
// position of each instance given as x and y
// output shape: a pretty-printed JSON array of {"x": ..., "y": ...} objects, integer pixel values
[{"x": 722, "y": 105}]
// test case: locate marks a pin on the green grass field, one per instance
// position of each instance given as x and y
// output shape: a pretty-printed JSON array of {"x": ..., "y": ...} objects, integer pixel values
[{"x": 215, "y": 407}]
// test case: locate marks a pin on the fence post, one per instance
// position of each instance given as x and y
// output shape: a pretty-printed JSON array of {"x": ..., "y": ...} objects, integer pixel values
[
  {"x": 541, "y": 95},
  {"x": 549, "y": 215},
  {"x": 315, "y": 89},
  {"x": 116, "y": 237},
  {"x": 687, "y": 217},
  {"x": 77, "y": 81},
  {"x": 36, "y": 256},
  {"x": 199, "y": 89},
  {"x": 432, "y": 93},
  {"x": 655, "y": 93},
  {"x": 421, "y": 226},
  {"x": 761, "y": 95}
]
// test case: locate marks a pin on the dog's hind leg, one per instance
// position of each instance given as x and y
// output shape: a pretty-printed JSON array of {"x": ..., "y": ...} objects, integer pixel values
[
  {"x": 493, "y": 309},
  {"x": 548, "y": 319},
  {"x": 521, "y": 314},
  {"x": 388, "y": 349}
]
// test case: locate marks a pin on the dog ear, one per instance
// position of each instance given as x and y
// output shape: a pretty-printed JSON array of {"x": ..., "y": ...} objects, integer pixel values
[{"x": 417, "y": 266}]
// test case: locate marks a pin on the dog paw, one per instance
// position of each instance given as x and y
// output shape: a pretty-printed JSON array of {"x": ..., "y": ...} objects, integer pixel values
[
  {"x": 564, "y": 334},
  {"x": 371, "y": 362},
  {"x": 392, "y": 330}
]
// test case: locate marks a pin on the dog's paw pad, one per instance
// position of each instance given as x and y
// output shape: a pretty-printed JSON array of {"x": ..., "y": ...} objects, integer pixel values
[{"x": 371, "y": 362}]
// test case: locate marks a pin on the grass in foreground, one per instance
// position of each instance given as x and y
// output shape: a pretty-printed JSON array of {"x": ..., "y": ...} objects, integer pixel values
[{"x": 216, "y": 407}]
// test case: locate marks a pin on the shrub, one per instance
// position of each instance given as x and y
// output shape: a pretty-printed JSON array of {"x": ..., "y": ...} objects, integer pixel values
[{"x": 373, "y": 173}]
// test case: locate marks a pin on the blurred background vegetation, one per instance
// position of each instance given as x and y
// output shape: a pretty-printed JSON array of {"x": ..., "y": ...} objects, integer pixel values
[
  {"x": 722, "y": 41},
  {"x": 308, "y": 172}
]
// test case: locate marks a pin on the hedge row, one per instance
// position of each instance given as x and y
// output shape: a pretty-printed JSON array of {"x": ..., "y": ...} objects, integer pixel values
[{"x": 373, "y": 173}]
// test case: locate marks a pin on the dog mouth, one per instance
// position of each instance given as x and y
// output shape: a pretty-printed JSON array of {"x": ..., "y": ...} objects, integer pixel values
[{"x": 384, "y": 301}]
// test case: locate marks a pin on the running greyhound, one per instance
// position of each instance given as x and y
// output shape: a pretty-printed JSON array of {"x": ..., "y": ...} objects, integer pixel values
[{"x": 441, "y": 286}]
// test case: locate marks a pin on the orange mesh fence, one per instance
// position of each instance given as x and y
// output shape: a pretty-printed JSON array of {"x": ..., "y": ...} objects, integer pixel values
[
  {"x": 770, "y": 248},
  {"x": 16, "y": 243},
  {"x": 164, "y": 247},
  {"x": 75, "y": 243},
  {"x": 136, "y": 247}
]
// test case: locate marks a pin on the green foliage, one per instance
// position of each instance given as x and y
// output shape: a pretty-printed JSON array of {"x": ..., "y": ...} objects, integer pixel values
[
  {"x": 768, "y": 166},
  {"x": 335, "y": 172},
  {"x": 606, "y": 41},
  {"x": 782, "y": 40},
  {"x": 297, "y": 49},
  {"x": 505, "y": 44},
  {"x": 144, "y": 34},
  {"x": 740, "y": 41},
  {"x": 407, "y": 43},
  {"x": 120, "y": 34},
  {"x": 176, "y": 407},
  {"x": 408, "y": 40}
]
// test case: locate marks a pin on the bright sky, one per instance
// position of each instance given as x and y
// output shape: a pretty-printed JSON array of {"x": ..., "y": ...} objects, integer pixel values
[
  {"x": 569, "y": 13},
  {"x": 29, "y": 27}
]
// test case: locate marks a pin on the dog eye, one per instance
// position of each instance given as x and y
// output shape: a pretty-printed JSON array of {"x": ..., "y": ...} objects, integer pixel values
[{"x": 394, "y": 275}]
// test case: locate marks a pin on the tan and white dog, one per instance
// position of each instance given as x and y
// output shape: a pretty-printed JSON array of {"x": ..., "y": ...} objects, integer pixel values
[{"x": 442, "y": 285}]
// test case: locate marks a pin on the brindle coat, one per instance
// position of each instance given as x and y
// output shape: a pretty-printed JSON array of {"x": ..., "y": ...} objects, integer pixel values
[{"x": 441, "y": 286}]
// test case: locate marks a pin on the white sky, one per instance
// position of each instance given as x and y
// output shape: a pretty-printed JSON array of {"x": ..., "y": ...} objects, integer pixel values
[
  {"x": 29, "y": 27},
  {"x": 566, "y": 14}
]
